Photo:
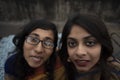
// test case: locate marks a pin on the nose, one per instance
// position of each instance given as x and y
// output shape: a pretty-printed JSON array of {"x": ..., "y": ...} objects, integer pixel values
[
  {"x": 81, "y": 50},
  {"x": 39, "y": 48}
]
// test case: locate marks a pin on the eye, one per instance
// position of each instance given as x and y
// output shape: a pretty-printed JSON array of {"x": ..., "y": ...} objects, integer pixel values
[
  {"x": 32, "y": 40},
  {"x": 48, "y": 43},
  {"x": 90, "y": 43},
  {"x": 72, "y": 43}
]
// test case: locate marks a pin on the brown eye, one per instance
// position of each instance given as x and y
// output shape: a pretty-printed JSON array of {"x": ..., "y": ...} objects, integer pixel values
[
  {"x": 90, "y": 43},
  {"x": 72, "y": 43},
  {"x": 48, "y": 43},
  {"x": 32, "y": 40}
]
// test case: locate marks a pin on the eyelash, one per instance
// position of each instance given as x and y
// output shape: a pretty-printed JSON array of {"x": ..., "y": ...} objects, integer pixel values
[
  {"x": 90, "y": 43},
  {"x": 74, "y": 44},
  {"x": 87, "y": 43}
]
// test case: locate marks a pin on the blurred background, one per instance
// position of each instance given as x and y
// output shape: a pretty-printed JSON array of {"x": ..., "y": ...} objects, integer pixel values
[{"x": 15, "y": 13}]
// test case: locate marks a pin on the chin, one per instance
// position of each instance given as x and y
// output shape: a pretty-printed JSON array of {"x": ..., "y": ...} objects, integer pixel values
[
  {"x": 34, "y": 66},
  {"x": 83, "y": 70}
]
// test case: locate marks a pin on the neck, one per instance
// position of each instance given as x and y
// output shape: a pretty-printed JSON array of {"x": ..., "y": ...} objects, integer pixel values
[{"x": 90, "y": 75}]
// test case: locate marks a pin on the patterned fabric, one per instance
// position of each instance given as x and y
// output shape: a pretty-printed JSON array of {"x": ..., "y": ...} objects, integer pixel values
[
  {"x": 6, "y": 46},
  {"x": 39, "y": 73},
  {"x": 93, "y": 75},
  {"x": 58, "y": 74}
]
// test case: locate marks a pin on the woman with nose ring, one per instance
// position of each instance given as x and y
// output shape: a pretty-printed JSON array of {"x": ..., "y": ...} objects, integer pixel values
[{"x": 86, "y": 50}]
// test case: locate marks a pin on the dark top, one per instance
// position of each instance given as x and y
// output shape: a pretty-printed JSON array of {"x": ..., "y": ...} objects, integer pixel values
[{"x": 9, "y": 65}]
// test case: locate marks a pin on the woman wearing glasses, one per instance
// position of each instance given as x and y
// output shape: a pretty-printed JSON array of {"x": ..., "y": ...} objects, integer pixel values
[
  {"x": 87, "y": 49},
  {"x": 35, "y": 53}
]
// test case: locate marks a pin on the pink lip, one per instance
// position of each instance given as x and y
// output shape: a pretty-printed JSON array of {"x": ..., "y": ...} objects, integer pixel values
[
  {"x": 82, "y": 63},
  {"x": 36, "y": 58}
]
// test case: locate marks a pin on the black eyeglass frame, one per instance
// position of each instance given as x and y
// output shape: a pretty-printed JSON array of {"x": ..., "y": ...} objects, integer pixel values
[{"x": 51, "y": 45}]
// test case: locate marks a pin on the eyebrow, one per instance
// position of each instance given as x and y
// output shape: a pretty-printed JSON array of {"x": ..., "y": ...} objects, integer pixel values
[
  {"x": 34, "y": 34},
  {"x": 86, "y": 37},
  {"x": 89, "y": 36},
  {"x": 49, "y": 38}
]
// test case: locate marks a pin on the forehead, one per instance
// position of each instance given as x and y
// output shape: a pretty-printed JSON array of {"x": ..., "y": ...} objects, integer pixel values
[
  {"x": 78, "y": 31},
  {"x": 43, "y": 33}
]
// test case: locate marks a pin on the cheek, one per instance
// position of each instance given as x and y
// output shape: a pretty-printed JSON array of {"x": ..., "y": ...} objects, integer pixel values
[
  {"x": 26, "y": 48},
  {"x": 25, "y": 51},
  {"x": 49, "y": 53},
  {"x": 70, "y": 52},
  {"x": 96, "y": 53}
]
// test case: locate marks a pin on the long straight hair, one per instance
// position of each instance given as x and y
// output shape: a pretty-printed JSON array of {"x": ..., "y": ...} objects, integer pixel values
[
  {"x": 21, "y": 68},
  {"x": 93, "y": 25}
]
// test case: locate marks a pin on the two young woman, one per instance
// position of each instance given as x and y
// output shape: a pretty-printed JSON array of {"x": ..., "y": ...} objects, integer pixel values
[{"x": 86, "y": 52}]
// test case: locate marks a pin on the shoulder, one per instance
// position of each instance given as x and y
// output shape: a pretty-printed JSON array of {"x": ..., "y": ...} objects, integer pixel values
[{"x": 9, "y": 65}]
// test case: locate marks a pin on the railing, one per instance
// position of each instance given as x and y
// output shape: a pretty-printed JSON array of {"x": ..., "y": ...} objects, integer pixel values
[{"x": 118, "y": 36}]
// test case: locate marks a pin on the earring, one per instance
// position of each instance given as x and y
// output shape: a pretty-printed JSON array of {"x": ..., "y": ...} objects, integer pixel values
[
  {"x": 48, "y": 62},
  {"x": 68, "y": 59}
]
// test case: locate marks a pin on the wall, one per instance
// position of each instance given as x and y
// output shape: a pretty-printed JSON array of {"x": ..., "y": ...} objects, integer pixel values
[{"x": 57, "y": 10}]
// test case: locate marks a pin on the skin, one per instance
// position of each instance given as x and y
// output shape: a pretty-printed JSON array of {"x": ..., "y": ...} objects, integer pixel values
[
  {"x": 37, "y": 55},
  {"x": 83, "y": 49}
]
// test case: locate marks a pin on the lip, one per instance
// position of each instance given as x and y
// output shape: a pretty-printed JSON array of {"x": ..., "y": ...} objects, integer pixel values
[
  {"x": 36, "y": 58},
  {"x": 82, "y": 63}
]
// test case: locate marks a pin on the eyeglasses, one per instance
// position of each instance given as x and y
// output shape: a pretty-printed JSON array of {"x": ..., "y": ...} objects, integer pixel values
[{"x": 46, "y": 43}]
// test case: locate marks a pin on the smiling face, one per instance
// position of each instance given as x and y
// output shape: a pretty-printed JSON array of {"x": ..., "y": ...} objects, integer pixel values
[
  {"x": 83, "y": 49},
  {"x": 37, "y": 54}
]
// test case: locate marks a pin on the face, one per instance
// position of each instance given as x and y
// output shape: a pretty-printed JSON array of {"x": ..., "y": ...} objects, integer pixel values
[
  {"x": 83, "y": 49},
  {"x": 38, "y": 47}
]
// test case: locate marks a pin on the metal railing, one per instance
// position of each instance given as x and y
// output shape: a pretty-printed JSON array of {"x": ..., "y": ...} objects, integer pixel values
[
  {"x": 116, "y": 38},
  {"x": 116, "y": 41}
]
